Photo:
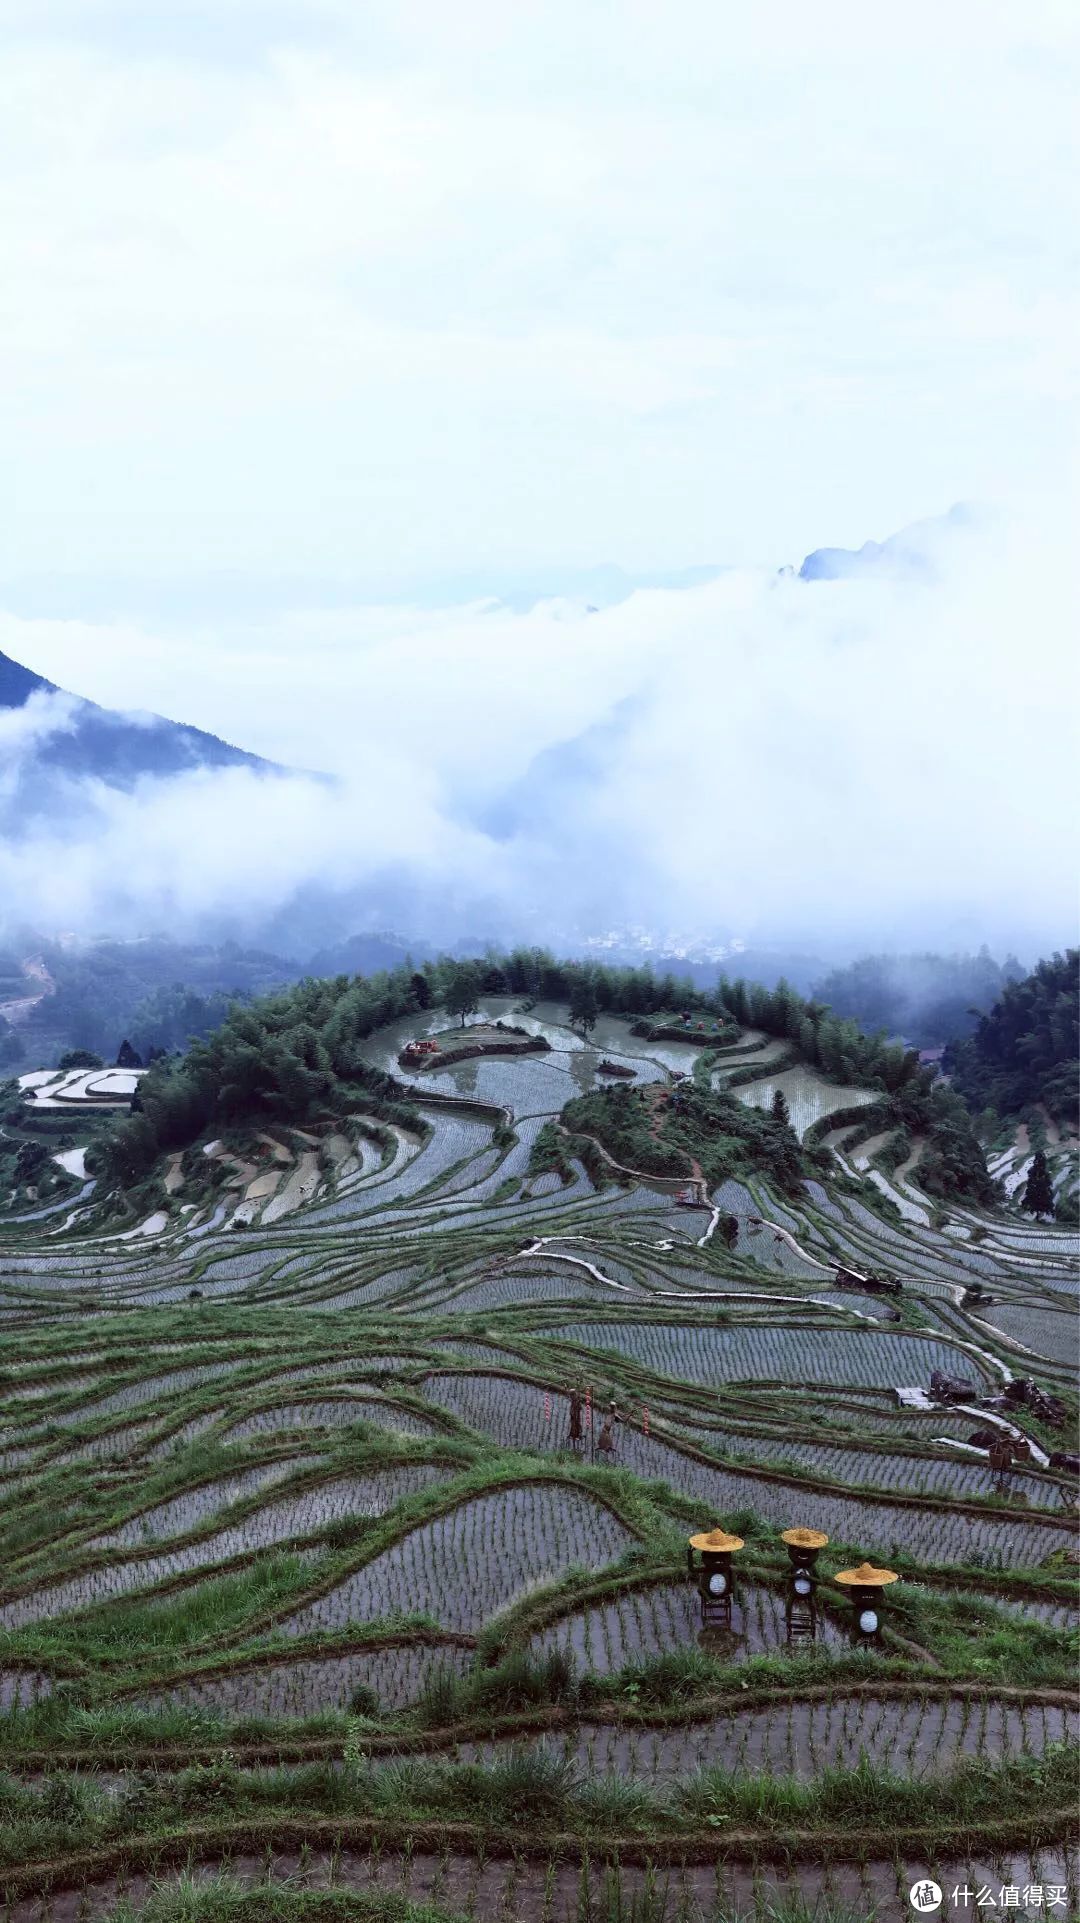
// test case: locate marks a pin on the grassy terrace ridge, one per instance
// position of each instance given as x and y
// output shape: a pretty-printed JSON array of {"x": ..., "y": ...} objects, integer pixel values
[
  {"x": 64, "y": 1823},
  {"x": 297, "y": 1553}
]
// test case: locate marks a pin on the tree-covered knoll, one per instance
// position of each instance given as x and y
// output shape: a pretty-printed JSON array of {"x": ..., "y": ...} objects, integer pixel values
[
  {"x": 926, "y": 998},
  {"x": 1024, "y": 1052},
  {"x": 296, "y": 1055},
  {"x": 724, "y": 1136}
]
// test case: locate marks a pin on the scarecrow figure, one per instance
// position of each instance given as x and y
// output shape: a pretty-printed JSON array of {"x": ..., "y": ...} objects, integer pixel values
[
  {"x": 577, "y": 1427},
  {"x": 605, "y": 1441}
]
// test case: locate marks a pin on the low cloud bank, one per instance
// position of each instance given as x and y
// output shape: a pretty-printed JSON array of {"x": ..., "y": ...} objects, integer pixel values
[{"x": 883, "y": 757}]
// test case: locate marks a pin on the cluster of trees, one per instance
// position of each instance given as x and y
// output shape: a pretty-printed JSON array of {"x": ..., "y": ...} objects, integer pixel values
[
  {"x": 1038, "y": 1196},
  {"x": 26, "y": 1162},
  {"x": 952, "y": 1164},
  {"x": 837, "y": 1047},
  {"x": 727, "y": 1136},
  {"x": 928, "y": 999},
  {"x": 170, "y": 1018},
  {"x": 620, "y": 1119},
  {"x": 1024, "y": 1052}
]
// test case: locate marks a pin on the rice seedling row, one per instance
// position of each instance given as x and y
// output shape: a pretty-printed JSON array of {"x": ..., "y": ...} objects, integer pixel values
[
  {"x": 489, "y": 1888},
  {"x": 637, "y": 1624},
  {"x": 191, "y": 1509}
]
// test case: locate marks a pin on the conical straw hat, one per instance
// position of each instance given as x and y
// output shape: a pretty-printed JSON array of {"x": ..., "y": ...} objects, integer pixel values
[
  {"x": 716, "y": 1541},
  {"x": 866, "y": 1577},
  {"x": 804, "y": 1538}
]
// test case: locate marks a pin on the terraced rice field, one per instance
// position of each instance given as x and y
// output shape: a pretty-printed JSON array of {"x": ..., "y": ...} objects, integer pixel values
[
  {"x": 921, "y": 1737},
  {"x": 712, "y": 1356},
  {"x": 290, "y": 1519},
  {"x": 298, "y": 1688},
  {"x": 808, "y": 1096},
  {"x": 274, "y": 1496},
  {"x": 639, "y": 1623},
  {"x": 470, "y": 1565},
  {"x": 344, "y": 1412},
  {"x": 494, "y": 1888}
]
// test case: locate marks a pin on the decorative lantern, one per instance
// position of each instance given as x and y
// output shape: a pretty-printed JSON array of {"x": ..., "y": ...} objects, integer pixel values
[
  {"x": 713, "y": 1575},
  {"x": 864, "y": 1585},
  {"x": 800, "y": 1613}
]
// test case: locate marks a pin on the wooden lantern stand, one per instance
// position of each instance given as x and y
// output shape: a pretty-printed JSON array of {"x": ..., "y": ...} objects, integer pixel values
[
  {"x": 865, "y": 1585},
  {"x": 713, "y": 1575},
  {"x": 800, "y": 1610}
]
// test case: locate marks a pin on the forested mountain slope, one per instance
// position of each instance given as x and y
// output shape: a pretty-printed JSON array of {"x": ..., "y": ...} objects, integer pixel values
[
  {"x": 927, "y": 998},
  {"x": 106, "y": 745},
  {"x": 1024, "y": 1052}
]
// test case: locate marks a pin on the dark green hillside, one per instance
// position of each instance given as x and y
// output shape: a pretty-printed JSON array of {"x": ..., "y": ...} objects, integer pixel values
[
  {"x": 1025, "y": 1051},
  {"x": 927, "y": 998},
  {"x": 157, "y": 992}
]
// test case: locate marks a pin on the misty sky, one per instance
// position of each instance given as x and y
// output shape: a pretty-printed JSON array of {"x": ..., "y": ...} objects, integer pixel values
[
  {"x": 322, "y": 322},
  {"x": 369, "y": 297}
]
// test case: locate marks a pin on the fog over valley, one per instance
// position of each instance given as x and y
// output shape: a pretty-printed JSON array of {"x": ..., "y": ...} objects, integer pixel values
[{"x": 716, "y": 759}]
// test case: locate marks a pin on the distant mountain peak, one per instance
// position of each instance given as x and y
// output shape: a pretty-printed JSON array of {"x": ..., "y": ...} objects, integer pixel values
[
  {"x": 911, "y": 551},
  {"x": 104, "y": 744},
  {"x": 17, "y": 683}
]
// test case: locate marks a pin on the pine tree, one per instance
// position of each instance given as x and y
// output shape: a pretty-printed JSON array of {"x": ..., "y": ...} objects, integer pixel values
[
  {"x": 781, "y": 1112},
  {"x": 1038, "y": 1189}
]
